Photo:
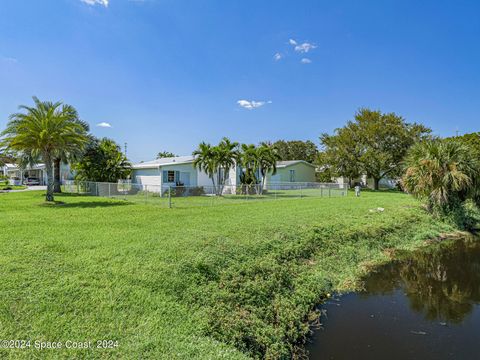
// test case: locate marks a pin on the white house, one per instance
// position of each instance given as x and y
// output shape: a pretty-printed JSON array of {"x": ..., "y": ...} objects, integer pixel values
[
  {"x": 18, "y": 176},
  {"x": 179, "y": 170}
]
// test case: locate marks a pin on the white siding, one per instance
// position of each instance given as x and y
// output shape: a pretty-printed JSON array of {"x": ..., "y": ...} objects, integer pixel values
[{"x": 147, "y": 176}]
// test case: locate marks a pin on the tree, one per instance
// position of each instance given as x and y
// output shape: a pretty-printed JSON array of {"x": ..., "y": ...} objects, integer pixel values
[
  {"x": 267, "y": 158},
  {"x": 67, "y": 156},
  {"x": 44, "y": 131},
  {"x": 226, "y": 154},
  {"x": 373, "y": 143},
  {"x": 216, "y": 161},
  {"x": 296, "y": 150},
  {"x": 341, "y": 154},
  {"x": 102, "y": 161},
  {"x": 206, "y": 161},
  {"x": 441, "y": 172},
  {"x": 165, "y": 154}
]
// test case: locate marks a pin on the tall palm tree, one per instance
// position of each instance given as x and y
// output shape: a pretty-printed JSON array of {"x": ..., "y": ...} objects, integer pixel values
[
  {"x": 206, "y": 161},
  {"x": 67, "y": 156},
  {"x": 267, "y": 158},
  {"x": 44, "y": 131},
  {"x": 441, "y": 172},
  {"x": 249, "y": 162},
  {"x": 227, "y": 155}
]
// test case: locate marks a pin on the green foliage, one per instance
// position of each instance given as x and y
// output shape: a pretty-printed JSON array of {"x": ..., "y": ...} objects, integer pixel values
[
  {"x": 165, "y": 154},
  {"x": 296, "y": 150},
  {"x": 216, "y": 161},
  {"x": 190, "y": 283},
  {"x": 373, "y": 143},
  {"x": 102, "y": 161},
  {"x": 46, "y": 130},
  {"x": 444, "y": 173}
]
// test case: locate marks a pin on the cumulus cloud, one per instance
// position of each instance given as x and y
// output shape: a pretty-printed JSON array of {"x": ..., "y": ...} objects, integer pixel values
[
  {"x": 292, "y": 42},
  {"x": 96, "y": 2},
  {"x": 104, "y": 125},
  {"x": 277, "y": 56},
  {"x": 304, "y": 48},
  {"x": 306, "y": 61},
  {"x": 252, "y": 104}
]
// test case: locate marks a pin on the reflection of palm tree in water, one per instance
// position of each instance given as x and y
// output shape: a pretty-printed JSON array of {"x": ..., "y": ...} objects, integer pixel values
[{"x": 443, "y": 282}]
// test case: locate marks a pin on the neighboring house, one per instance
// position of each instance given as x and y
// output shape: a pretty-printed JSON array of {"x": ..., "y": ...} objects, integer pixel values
[
  {"x": 293, "y": 171},
  {"x": 385, "y": 183},
  {"x": 18, "y": 176},
  {"x": 179, "y": 170}
]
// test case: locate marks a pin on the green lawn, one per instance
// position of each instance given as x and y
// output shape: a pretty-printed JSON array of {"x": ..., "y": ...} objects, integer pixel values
[
  {"x": 12, "y": 187},
  {"x": 188, "y": 282}
]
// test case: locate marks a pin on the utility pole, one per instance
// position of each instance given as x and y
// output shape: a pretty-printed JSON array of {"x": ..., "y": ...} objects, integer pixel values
[{"x": 125, "y": 149}]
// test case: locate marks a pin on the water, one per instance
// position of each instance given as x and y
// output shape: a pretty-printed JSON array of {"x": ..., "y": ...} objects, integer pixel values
[{"x": 424, "y": 305}]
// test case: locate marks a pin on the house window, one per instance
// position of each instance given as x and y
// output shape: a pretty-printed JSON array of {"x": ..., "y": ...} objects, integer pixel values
[
  {"x": 171, "y": 176},
  {"x": 292, "y": 175}
]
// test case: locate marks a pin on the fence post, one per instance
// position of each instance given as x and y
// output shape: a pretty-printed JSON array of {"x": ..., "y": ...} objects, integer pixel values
[
  {"x": 109, "y": 192},
  {"x": 329, "y": 191},
  {"x": 169, "y": 196},
  {"x": 146, "y": 194},
  {"x": 96, "y": 188},
  {"x": 301, "y": 193}
]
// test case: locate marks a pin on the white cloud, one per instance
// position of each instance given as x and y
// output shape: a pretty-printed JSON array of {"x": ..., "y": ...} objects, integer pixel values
[
  {"x": 306, "y": 61},
  {"x": 305, "y": 47},
  {"x": 277, "y": 56},
  {"x": 252, "y": 104},
  {"x": 96, "y": 2},
  {"x": 292, "y": 42},
  {"x": 104, "y": 125}
]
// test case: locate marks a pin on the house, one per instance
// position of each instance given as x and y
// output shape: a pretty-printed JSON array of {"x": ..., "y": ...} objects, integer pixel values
[
  {"x": 17, "y": 175},
  {"x": 172, "y": 171},
  {"x": 292, "y": 171},
  {"x": 385, "y": 183}
]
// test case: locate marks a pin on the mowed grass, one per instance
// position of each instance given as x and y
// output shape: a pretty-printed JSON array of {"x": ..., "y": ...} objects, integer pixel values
[{"x": 198, "y": 282}]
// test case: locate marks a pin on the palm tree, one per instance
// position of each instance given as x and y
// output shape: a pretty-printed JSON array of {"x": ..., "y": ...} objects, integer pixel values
[
  {"x": 267, "y": 158},
  {"x": 226, "y": 157},
  {"x": 249, "y": 162},
  {"x": 206, "y": 161},
  {"x": 44, "y": 131},
  {"x": 71, "y": 156},
  {"x": 441, "y": 172}
]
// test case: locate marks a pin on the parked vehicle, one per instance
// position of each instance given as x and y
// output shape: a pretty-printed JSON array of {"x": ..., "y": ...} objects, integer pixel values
[{"x": 31, "y": 181}]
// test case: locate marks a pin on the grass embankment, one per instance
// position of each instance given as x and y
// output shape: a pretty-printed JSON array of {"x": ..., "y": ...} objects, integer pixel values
[{"x": 205, "y": 282}]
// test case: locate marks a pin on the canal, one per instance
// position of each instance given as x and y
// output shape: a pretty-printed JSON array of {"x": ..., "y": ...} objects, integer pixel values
[{"x": 423, "y": 305}]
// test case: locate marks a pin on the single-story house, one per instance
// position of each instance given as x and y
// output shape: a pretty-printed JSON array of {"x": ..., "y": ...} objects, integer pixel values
[
  {"x": 179, "y": 170},
  {"x": 384, "y": 183},
  {"x": 292, "y": 171},
  {"x": 17, "y": 175}
]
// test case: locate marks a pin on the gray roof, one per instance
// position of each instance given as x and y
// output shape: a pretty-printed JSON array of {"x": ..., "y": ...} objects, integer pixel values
[
  {"x": 164, "y": 161},
  {"x": 282, "y": 164}
]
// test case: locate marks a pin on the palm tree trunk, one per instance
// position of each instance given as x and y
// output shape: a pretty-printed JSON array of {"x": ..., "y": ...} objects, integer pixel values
[
  {"x": 50, "y": 180},
  {"x": 56, "y": 171}
]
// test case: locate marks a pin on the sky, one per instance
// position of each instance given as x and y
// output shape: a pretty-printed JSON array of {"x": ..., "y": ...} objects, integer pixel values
[{"x": 168, "y": 74}]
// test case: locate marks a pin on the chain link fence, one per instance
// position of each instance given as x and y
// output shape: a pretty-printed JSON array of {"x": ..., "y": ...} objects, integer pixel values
[{"x": 185, "y": 196}]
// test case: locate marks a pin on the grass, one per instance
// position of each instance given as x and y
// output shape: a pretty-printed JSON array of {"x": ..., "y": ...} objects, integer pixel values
[
  {"x": 227, "y": 282},
  {"x": 12, "y": 187}
]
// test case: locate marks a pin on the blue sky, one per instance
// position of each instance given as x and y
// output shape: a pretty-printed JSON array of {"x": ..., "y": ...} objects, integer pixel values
[{"x": 167, "y": 74}]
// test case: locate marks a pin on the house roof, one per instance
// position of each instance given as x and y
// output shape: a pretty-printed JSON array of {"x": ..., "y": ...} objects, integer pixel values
[
  {"x": 34, "y": 167},
  {"x": 283, "y": 164},
  {"x": 164, "y": 161}
]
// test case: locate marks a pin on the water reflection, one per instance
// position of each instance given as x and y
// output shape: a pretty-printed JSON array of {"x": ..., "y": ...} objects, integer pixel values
[
  {"x": 424, "y": 305},
  {"x": 442, "y": 281}
]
